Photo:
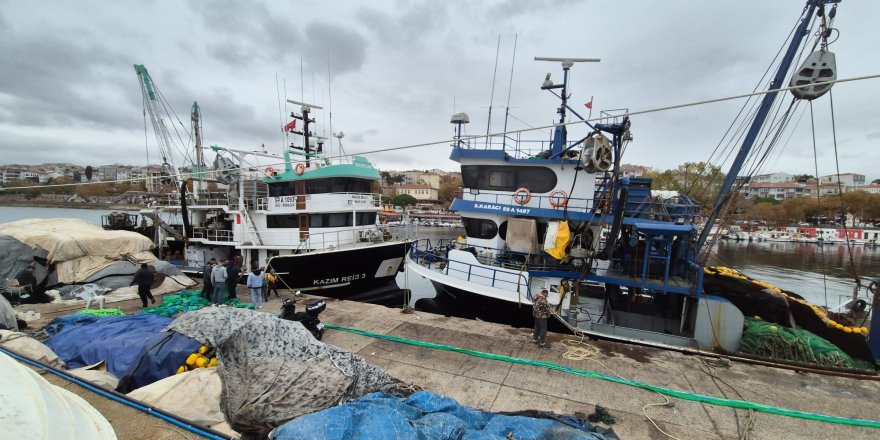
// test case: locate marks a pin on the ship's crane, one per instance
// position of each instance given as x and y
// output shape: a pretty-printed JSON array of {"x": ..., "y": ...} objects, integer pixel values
[{"x": 153, "y": 106}]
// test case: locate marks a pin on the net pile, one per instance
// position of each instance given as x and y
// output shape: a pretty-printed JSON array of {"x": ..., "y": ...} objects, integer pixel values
[
  {"x": 766, "y": 339},
  {"x": 188, "y": 301}
]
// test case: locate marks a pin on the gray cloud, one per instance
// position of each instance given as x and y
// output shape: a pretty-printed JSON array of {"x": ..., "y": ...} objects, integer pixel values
[
  {"x": 59, "y": 81},
  {"x": 345, "y": 48},
  {"x": 873, "y": 135}
]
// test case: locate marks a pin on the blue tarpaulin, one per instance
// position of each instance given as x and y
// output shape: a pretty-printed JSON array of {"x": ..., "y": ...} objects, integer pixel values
[
  {"x": 426, "y": 415},
  {"x": 163, "y": 354},
  {"x": 120, "y": 341}
]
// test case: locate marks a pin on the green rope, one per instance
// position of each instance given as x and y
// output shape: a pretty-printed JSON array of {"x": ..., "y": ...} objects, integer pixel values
[{"x": 731, "y": 403}]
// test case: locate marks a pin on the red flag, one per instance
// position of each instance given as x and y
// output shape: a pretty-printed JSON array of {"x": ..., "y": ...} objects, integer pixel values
[
  {"x": 290, "y": 126},
  {"x": 589, "y": 105}
]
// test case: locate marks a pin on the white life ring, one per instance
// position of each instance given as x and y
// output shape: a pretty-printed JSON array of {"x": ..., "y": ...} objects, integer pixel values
[{"x": 299, "y": 169}]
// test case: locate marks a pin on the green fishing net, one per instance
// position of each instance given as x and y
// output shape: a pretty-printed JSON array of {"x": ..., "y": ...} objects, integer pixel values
[
  {"x": 188, "y": 301},
  {"x": 765, "y": 339}
]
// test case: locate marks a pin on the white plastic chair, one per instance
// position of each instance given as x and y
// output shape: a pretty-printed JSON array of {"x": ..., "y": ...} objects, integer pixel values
[{"x": 90, "y": 296}]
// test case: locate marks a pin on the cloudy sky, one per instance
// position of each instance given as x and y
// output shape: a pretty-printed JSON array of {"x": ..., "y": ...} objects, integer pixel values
[{"x": 399, "y": 69}]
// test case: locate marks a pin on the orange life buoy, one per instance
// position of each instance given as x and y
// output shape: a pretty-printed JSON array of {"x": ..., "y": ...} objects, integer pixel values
[
  {"x": 522, "y": 196},
  {"x": 558, "y": 198},
  {"x": 300, "y": 168},
  {"x": 270, "y": 171}
]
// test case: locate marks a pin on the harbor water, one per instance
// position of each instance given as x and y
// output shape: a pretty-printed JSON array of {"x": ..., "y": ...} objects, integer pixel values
[{"x": 820, "y": 273}]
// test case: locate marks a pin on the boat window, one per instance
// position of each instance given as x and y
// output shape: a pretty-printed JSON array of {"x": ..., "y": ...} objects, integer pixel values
[
  {"x": 502, "y": 230},
  {"x": 508, "y": 178},
  {"x": 339, "y": 185},
  {"x": 334, "y": 220},
  {"x": 281, "y": 189},
  {"x": 479, "y": 228},
  {"x": 282, "y": 221},
  {"x": 366, "y": 218}
]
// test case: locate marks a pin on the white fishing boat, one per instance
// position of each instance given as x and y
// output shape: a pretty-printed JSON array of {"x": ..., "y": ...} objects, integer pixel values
[
  {"x": 299, "y": 214},
  {"x": 534, "y": 215}
]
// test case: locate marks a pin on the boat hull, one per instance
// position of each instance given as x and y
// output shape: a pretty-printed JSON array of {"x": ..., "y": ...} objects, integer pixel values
[{"x": 365, "y": 274}]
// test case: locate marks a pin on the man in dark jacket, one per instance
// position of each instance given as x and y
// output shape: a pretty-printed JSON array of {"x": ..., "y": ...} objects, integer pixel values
[
  {"x": 207, "y": 287},
  {"x": 144, "y": 279},
  {"x": 232, "y": 273}
]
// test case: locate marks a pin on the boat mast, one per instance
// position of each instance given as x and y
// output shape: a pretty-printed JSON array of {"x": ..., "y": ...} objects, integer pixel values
[
  {"x": 198, "y": 172},
  {"x": 560, "y": 134},
  {"x": 760, "y": 117}
]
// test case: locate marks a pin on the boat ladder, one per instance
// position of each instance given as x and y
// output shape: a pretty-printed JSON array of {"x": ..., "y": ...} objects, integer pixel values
[{"x": 251, "y": 228}]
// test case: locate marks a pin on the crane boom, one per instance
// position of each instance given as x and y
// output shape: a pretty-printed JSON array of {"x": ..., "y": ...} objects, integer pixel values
[{"x": 163, "y": 137}]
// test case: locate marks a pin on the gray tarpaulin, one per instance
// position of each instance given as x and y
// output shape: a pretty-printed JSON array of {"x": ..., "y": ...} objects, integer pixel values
[{"x": 274, "y": 370}]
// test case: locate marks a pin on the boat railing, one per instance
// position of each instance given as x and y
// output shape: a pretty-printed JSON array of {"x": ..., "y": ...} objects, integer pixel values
[
  {"x": 210, "y": 234},
  {"x": 207, "y": 199},
  {"x": 320, "y": 201},
  {"x": 536, "y": 201},
  {"x": 434, "y": 257},
  {"x": 348, "y": 237},
  {"x": 516, "y": 147}
]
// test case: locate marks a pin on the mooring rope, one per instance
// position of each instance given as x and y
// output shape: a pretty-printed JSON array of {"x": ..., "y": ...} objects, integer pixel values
[{"x": 730, "y": 403}]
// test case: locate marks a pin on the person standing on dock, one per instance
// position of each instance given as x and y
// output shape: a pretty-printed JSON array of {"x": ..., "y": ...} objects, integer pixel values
[
  {"x": 218, "y": 280},
  {"x": 233, "y": 270},
  {"x": 255, "y": 285},
  {"x": 271, "y": 280},
  {"x": 207, "y": 287},
  {"x": 541, "y": 311},
  {"x": 144, "y": 279}
]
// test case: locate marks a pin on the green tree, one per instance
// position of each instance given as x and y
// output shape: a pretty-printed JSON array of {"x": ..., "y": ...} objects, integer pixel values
[
  {"x": 403, "y": 200},
  {"x": 450, "y": 184},
  {"x": 89, "y": 171}
]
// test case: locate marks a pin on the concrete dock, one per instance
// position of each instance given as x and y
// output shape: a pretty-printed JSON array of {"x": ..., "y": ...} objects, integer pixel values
[{"x": 500, "y": 386}]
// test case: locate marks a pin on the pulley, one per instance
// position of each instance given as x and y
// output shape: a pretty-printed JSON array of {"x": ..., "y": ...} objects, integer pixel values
[
  {"x": 225, "y": 170},
  {"x": 819, "y": 67},
  {"x": 598, "y": 155},
  {"x": 165, "y": 175}
]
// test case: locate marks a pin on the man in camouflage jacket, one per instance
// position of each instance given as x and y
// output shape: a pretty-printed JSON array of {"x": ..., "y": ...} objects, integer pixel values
[{"x": 541, "y": 311}]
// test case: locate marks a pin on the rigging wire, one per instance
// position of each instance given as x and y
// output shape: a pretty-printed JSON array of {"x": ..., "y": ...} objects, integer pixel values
[
  {"x": 849, "y": 245},
  {"x": 544, "y": 127},
  {"x": 818, "y": 200}
]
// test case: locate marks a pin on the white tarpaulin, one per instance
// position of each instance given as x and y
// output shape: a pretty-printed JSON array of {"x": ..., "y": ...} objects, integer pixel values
[
  {"x": 39, "y": 410},
  {"x": 78, "y": 248},
  {"x": 194, "y": 395},
  {"x": 67, "y": 239}
]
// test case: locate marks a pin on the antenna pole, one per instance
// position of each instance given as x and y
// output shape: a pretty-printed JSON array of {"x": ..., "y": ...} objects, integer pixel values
[
  {"x": 280, "y": 114},
  {"x": 509, "y": 89},
  {"x": 492, "y": 96},
  {"x": 330, "y": 99}
]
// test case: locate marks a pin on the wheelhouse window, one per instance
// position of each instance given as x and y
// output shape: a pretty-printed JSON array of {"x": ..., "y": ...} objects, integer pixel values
[
  {"x": 281, "y": 189},
  {"x": 508, "y": 178},
  {"x": 323, "y": 186},
  {"x": 328, "y": 220},
  {"x": 366, "y": 218},
  {"x": 282, "y": 221},
  {"x": 339, "y": 185},
  {"x": 479, "y": 228}
]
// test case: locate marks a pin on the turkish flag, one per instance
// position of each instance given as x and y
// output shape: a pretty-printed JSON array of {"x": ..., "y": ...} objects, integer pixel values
[
  {"x": 290, "y": 126},
  {"x": 589, "y": 105}
]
